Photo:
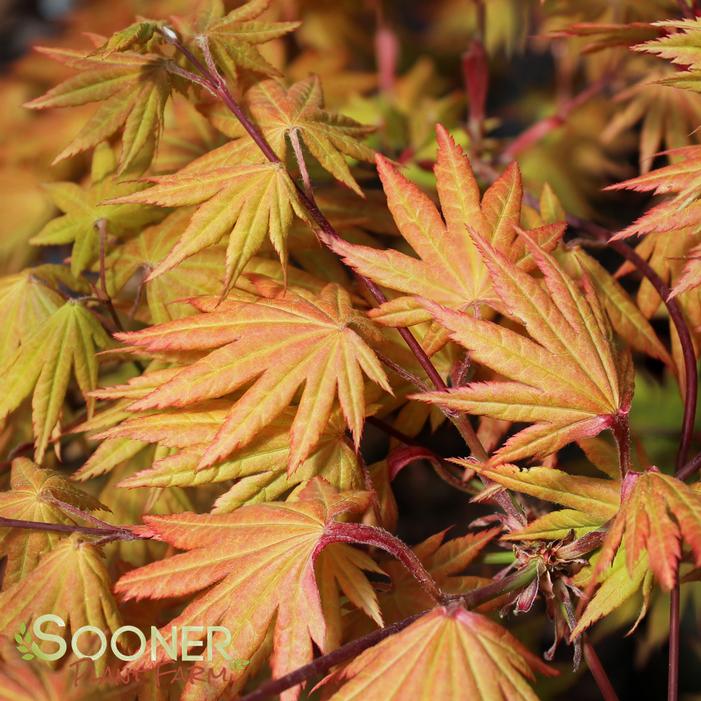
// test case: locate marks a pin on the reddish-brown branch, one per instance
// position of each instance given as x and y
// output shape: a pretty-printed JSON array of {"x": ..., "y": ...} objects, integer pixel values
[
  {"x": 352, "y": 649},
  {"x": 324, "y": 663},
  {"x": 537, "y": 131},
  {"x": 621, "y": 432},
  {"x": 107, "y": 532},
  {"x": 599, "y": 673},
  {"x": 218, "y": 84}
]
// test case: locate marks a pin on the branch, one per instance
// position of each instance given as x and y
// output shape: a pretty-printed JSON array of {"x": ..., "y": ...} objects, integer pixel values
[
  {"x": 324, "y": 663},
  {"x": 211, "y": 75},
  {"x": 108, "y": 532},
  {"x": 690, "y": 467},
  {"x": 352, "y": 649},
  {"x": 542, "y": 128},
  {"x": 599, "y": 673}
]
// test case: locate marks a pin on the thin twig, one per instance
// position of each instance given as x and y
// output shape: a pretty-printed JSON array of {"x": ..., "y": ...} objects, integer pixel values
[
  {"x": 351, "y": 650},
  {"x": 690, "y": 467},
  {"x": 113, "y": 532},
  {"x": 218, "y": 83},
  {"x": 324, "y": 663},
  {"x": 537, "y": 131},
  {"x": 102, "y": 293},
  {"x": 599, "y": 673}
]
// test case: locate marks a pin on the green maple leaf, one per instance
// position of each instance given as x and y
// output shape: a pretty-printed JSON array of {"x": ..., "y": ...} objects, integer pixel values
[
  {"x": 83, "y": 208},
  {"x": 66, "y": 344},
  {"x": 133, "y": 89},
  {"x": 233, "y": 37}
]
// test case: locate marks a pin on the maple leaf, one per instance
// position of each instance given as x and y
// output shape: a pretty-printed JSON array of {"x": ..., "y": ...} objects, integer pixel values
[
  {"x": 260, "y": 469},
  {"x": 279, "y": 341},
  {"x": 682, "y": 179},
  {"x": 245, "y": 203},
  {"x": 32, "y": 497},
  {"x": 449, "y": 270},
  {"x": 657, "y": 513},
  {"x": 201, "y": 274},
  {"x": 669, "y": 116},
  {"x": 70, "y": 581},
  {"x": 626, "y": 318},
  {"x": 67, "y": 341},
  {"x": 671, "y": 226},
  {"x": 449, "y": 654},
  {"x": 233, "y": 37},
  {"x": 27, "y": 300},
  {"x": 280, "y": 112},
  {"x": 255, "y": 563},
  {"x": 570, "y": 383},
  {"x": 590, "y": 502},
  {"x": 83, "y": 208},
  {"x": 617, "y": 585},
  {"x": 133, "y": 89},
  {"x": 681, "y": 48}
]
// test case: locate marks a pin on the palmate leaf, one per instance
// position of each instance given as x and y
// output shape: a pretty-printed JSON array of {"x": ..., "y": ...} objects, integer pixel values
[
  {"x": 201, "y": 274},
  {"x": 675, "y": 220},
  {"x": 31, "y": 498},
  {"x": 278, "y": 341},
  {"x": 256, "y": 567},
  {"x": 133, "y": 89},
  {"x": 682, "y": 48},
  {"x": 66, "y": 344},
  {"x": 260, "y": 469},
  {"x": 232, "y": 37},
  {"x": 70, "y": 581},
  {"x": 27, "y": 300},
  {"x": 567, "y": 379},
  {"x": 278, "y": 111},
  {"x": 245, "y": 203},
  {"x": 449, "y": 270},
  {"x": 449, "y": 654},
  {"x": 626, "y": 318},
  {"x": 682, "y": 180},
  {"x": 84, "y": 207},
  {"x": 657, "y": 513}
]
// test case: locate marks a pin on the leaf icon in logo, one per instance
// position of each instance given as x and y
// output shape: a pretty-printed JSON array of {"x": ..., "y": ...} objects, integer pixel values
[{"x": 24, "y": 641}]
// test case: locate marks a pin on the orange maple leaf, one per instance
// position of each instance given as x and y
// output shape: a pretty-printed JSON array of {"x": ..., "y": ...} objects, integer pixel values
[
  {"x": 255, "y": 568},
  {"x": 278, "y": 341}
]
